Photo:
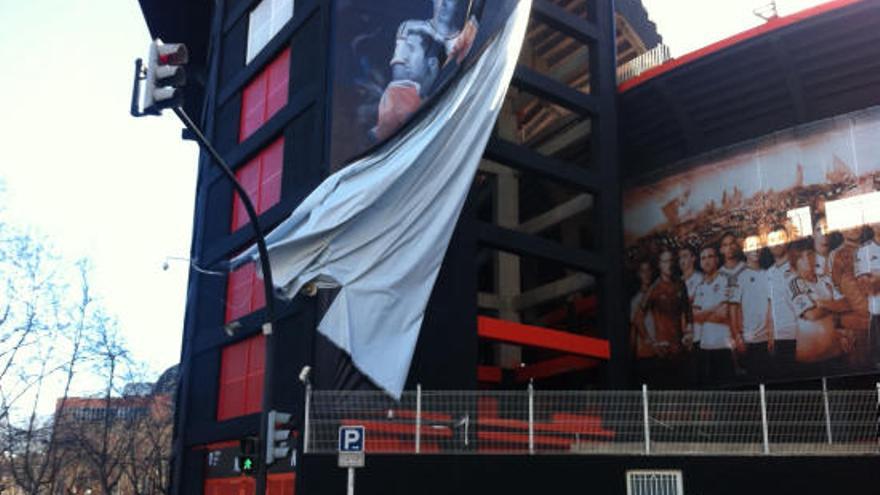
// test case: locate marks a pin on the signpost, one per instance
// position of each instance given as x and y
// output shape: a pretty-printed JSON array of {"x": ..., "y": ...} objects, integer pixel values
[{"x": 351, "y": 451}]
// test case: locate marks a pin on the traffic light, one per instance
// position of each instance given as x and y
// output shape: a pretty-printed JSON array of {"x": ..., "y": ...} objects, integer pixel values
[
  {"x": 165, "y": 76},
  {"x": 247, "y": 459},
  {"x": 278, "y": 436}
]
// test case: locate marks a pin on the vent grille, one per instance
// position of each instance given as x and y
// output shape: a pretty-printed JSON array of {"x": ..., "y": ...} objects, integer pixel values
[{"x": 654, "y": 483}]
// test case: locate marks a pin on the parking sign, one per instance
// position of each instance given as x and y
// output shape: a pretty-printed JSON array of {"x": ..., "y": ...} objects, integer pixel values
[{"x": 351, "y": 446}]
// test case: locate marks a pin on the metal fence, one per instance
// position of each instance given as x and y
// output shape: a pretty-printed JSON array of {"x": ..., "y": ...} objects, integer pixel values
[
  {"x": 607, "y": 422},
  {"x": 652, "y": 58}
]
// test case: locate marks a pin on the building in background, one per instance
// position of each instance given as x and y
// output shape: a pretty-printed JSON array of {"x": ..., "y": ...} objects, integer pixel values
[{"x": 535, "y": 286}]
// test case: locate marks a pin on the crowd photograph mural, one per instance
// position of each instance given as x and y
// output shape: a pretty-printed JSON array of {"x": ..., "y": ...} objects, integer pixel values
[{"x": 760, "y": 262}]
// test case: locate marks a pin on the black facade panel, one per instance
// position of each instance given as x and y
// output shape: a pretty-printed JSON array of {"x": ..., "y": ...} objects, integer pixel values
[
  {"x": 576, "y": 475},
  {"x": 234, "y": 50},
  {"x": 226, "y": 127},
  {"x": 446, "y": 353},
  {"x": 203, "y": 395},
  {"x": 304, "y": 167}
]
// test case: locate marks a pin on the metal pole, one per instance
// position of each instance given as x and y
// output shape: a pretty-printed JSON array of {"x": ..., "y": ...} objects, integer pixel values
[
  {"x": 647, "y": 425},
  {"x": 269, "y": 359},
  {"x": 418, "y": 418},
  {"x": 827, "y": 410},
  {"x": 350, "y": 490},
  {"x": 765, "y": 428},
  {"x": 307, "y": 421},
  {"x": 531, "y": 418}
]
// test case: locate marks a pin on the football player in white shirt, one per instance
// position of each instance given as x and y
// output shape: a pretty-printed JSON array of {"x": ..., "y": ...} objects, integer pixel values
[
  {"x": 692, "y": 278},
  {"x": 757, "y": 322},
  {"x": 782, "y": 312},
  {"x": 867, "y": 269},
  {"x": 816, "y": 302},
  {"x": 733, "y": 265},
  {"x": 712, "y": 318},
  {"x": 822, "y": 245},
  {"x": 687, "y": 260}
]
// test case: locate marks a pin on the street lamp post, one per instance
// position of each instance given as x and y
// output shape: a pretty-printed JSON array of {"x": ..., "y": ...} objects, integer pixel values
[{"x": 268, "y": 330}]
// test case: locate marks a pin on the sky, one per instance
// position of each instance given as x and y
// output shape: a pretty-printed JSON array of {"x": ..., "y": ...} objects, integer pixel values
[{"x": 80, "y": 171}]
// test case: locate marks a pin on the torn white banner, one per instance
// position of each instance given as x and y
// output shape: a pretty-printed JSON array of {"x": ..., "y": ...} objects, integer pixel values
[{"x": 378, "y": 229}]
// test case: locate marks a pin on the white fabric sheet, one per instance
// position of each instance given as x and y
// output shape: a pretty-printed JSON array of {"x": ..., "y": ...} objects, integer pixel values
[{"x": 378, "y": 229}]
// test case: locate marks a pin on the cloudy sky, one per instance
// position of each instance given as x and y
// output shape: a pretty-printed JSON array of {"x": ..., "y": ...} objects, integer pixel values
[{"x": 77, "y": 169}]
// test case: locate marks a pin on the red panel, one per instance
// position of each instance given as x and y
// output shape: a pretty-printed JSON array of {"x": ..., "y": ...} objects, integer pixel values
[
  {"x": 250, "y": 177},
  {"x": 256, "y": 358},
  {"x": 280, "y": 484},
  {"x": 238, "y": 292},
  {"x": 261, "y": 178},
  {"x": 270, "y": 180},
  {"x": 265, "y": 95},
  {"x": 253, "y": 106},
  {"x": 234, "y": 362},
  {"x": 241, "y": 382},
  {"x": 487, "y": 407},
  {"x": 517, "y": 333},
  {"x": 232, "y": 400},
  {"x": 489, "y": 374},
  {"x": 278, "y": 80},
  {"x": 767, "y": 27}
]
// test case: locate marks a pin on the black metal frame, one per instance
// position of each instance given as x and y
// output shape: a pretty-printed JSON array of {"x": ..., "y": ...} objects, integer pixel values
[{"x": 601, "y": 178}]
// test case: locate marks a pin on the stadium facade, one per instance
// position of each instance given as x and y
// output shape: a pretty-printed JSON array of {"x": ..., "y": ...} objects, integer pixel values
[{"x": 588, "y": 193}]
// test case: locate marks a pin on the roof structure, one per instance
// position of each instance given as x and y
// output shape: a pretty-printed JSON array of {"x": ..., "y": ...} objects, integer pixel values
[{"x": 821, "y": 62}]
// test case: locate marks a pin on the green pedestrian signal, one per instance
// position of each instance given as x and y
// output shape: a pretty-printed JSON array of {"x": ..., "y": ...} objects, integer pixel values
[{"x": 248, "y": 464}]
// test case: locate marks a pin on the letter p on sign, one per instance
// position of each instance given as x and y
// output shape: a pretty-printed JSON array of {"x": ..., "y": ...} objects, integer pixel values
[{"x": 351, "y": 438}]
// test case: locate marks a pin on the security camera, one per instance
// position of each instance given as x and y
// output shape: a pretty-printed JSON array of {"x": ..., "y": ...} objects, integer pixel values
[
  {"x": 304, "y": 373},
  {"x": 232, "y": 327}
]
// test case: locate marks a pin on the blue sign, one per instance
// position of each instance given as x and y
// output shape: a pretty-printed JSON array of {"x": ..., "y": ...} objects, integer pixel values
[{"x": 351, "y": 438}]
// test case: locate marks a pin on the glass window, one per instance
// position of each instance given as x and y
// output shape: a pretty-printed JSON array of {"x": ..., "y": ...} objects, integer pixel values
[{"x": 265, "y": 22}]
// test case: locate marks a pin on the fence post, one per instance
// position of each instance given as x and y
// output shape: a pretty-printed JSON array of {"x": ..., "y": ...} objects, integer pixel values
[
  {"x": 418, "y": 418},
  {"x": 827, "y": 410},
  {"x": 646, "y": 420},
  {"x": 531, "y": 418},
  {"x": 765, "y": 427},
  {"x": 307, "y": 422}
]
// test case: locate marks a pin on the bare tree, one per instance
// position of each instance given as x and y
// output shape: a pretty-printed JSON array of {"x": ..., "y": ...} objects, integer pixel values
[{"x": 41, "y": 337}]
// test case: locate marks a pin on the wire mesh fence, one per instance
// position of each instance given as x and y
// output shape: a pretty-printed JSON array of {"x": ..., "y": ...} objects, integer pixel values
[{"x": 601, "y": 422}]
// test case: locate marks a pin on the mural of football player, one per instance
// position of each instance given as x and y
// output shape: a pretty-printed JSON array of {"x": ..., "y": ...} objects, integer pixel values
[
  {"x": 816, "y": 302},
  {"x": 414, "y": 67},
  {"x": 451, "y": 25},
  {"x": 867, "y": 269},
  {"x": 712, "y": 318}
]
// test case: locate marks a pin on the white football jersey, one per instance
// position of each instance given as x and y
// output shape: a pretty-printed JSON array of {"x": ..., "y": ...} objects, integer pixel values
[
  {"x": 804, "y": 295},
  {"x": 709, "y": 294},
  {"x": 755, "y": 302},
  {"x": 868, "y": 261},
  {"x": 784, "y": 317}
]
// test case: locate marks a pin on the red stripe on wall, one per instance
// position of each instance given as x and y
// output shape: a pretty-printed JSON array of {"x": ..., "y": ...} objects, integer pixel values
[{"x": 518, "y": 333}]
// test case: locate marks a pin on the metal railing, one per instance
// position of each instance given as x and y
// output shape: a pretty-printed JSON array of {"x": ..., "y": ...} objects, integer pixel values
[
  {"x": 526, "y": 422},
  {"x": 652, "y": 58}
]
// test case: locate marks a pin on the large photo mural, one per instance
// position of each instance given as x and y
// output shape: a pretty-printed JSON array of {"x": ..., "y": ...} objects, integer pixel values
[
  {"x": 760, "y": 262},
  {"x": 392, "y": 58}
]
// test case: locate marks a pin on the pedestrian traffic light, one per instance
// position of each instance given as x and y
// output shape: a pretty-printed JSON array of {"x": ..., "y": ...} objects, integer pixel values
[
  {"x": 165, "y": 76},
  {"x": 278, "y": 436},
  {"x": 247, "y": 458}
]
